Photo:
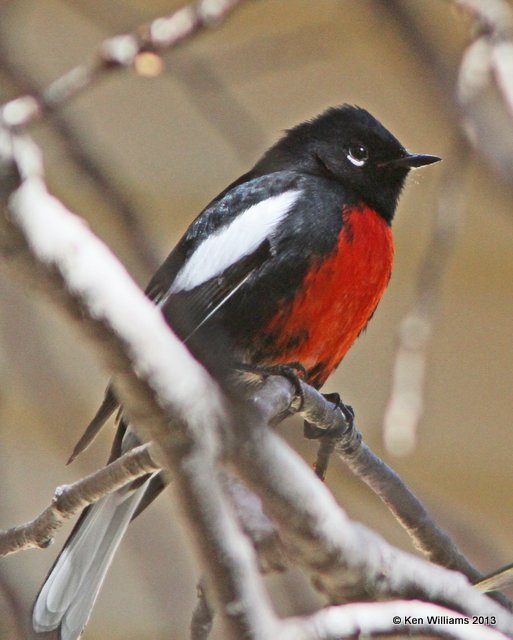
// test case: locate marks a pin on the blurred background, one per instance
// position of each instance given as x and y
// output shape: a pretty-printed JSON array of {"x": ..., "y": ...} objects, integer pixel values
[{"x": 138, "y": 158}]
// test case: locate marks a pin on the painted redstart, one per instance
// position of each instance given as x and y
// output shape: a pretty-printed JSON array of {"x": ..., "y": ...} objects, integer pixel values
[{"x": 287, "y": 264}]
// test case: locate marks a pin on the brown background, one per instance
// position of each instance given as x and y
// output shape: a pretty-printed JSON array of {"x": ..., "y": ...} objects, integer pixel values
[{"x": 169, "y": 145}]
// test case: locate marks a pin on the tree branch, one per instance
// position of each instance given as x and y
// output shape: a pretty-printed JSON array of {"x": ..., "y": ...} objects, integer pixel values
[
  {"x": 345, "y": 560},
  {"x": 259, "y": 528},
  {"x": 88, "y": 164},
  {"x": 118, "y": 52},
  {"x": 384, "y": 481},
  {"x": 155, "y": 379},
  {"x": 154, "y": 375},
  {"x": 70, "y": 499},
  {"x": 385, "y": 618}
]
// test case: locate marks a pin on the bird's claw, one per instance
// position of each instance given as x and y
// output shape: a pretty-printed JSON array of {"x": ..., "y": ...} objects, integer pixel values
[
  {"x": 294, "y": 372},
  {"x": 311, "y": 432}
]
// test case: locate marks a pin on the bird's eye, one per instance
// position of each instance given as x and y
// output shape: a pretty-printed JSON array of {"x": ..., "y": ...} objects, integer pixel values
[{"x": 357, "y": 154}]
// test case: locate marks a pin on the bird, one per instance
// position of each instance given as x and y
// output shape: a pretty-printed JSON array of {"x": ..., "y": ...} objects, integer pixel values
[{"x": 286, "y": 265}]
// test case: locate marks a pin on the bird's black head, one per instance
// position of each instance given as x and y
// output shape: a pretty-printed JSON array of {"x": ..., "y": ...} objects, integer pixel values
[{"x": 348, "y": 145}]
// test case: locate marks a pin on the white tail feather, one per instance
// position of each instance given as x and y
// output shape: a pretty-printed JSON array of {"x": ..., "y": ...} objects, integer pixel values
[{"x": 69, "y": 593}]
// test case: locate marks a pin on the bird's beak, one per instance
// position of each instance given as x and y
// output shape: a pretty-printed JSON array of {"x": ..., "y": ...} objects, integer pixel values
[{"x": 411, "y": 161}]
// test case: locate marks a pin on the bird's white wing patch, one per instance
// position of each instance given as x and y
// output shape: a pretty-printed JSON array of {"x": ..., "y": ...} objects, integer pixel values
[{"x": 234, "y": 241}]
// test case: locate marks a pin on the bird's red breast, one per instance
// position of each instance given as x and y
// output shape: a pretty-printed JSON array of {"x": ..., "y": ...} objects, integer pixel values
[{"x": 337, "y": 298}]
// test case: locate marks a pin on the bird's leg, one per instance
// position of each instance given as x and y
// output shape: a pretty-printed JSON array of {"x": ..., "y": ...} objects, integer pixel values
[{"x": 328, "y": 438}]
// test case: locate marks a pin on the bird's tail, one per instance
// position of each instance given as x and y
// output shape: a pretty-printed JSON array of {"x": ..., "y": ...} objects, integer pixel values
[{"x": 70, "y": 590}]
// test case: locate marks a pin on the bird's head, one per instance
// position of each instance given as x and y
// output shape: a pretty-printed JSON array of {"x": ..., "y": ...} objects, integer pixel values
[{"x": 348, "y": 145}]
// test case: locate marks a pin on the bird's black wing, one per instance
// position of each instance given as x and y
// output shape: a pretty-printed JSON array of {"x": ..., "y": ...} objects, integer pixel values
[{"x": 187, "y": 311}]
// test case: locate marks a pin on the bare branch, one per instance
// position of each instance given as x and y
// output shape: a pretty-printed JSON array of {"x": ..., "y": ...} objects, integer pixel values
[
  {"x": 345, "y": 560},
  {"x": 383, "y": 480},
  {"x": 154, "y": 375},
  {"x": 154, "y": 378},
  {"x": 256, "y": 525},
  {"x": 383, "y": 618},
  {"x": 225, "y": 551},
  {"x": 70, "y": 499},
  {"x": 123, "y": 51},
  {"x": 346, "y": 440},
  {"x": 85, "y": 161}
]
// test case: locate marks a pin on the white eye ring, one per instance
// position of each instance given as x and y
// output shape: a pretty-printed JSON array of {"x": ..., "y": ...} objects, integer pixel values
[{"x": 357, "y": 154}]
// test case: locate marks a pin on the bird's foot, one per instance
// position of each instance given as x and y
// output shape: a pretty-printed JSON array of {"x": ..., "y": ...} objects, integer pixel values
[
  {"x": 311, "y": 432},
  {"x": 294, "y": 372}
]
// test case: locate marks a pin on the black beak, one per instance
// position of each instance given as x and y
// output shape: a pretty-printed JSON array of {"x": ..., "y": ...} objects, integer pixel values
[{"x": 411, "y": 161}]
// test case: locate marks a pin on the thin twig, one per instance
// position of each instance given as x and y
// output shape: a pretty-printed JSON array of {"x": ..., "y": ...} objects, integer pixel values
[
  {"x": 345, "y": 560},
  {"x": 344, "y": 437},
  {"x": 154, "y": 374},
  {"x": 86, "y": 162},
  {"x": 212, "y": 96},
  {"x": 383, "y": 480},
  {"x": 70, "y": 499},
  {"x": 123, "y": 51}
]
